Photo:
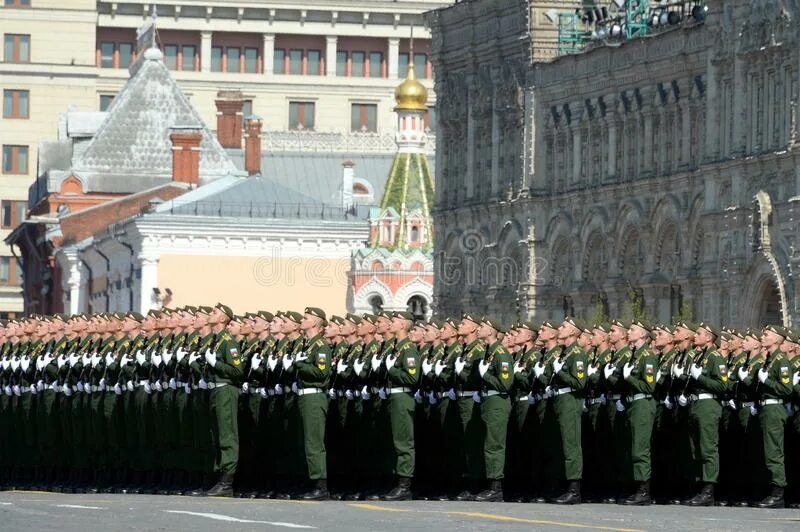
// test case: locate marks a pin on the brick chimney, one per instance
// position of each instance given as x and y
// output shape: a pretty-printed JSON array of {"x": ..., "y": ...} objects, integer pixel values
[
  {"x": 229, "y": 118},
  {"x": 186, "y": 153},
  {"x": 252, "y": 146}
]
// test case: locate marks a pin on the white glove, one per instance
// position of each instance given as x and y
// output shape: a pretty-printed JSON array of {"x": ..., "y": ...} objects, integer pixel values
[
  {"x": 682, "y": 400},
  {"x": 187, "y": 388},
  {"x": 432, "y": 398},
  {"x": 695, "y": 371},
  {"x": 753, "y": 410},
  {"x": 341, "y": 366},
  {"x": 790, "y": 409},
  {"x": 548, "y": 392},
  {"x": 732, "y": 404},
  {"x": 40, "y": 385},
  {"x": 438, "y": 368},
  {"x": 80, "y": 386},
  {"x": 603, "y": 399},
  {"x": 272, "y": 362},
  {"x": 418, "y": 397},
  {"x": 14, "y": 364},
  {"x": 211, "y": 358},
  {"x": 140, "y": 357},
  {"x": 349, "y": 394},
  {"x": 375, "y": 362},
  {"x": 451, "y": 394},
  {"x": 126, "y": 359},
  {"x": 796, "y": 378},
  {"x": 584, "y": 407},
  {"x": 557, "y": 365},
  {"x": 358, "y": 365},
  {"x": 301, "y": 357},
  {"x": 620, "y": 406},
  {"x": 25, "y": 363},
  {"x": 147, "y": 387},
  {"x": 255, "y": 361},
  {"x": 658, "y": 376},
  {"x": 365, "y": 393},
  {"x": 180, "y": 353},
  {"x": 609, "y": 370},
  {"x": 677, "y": 370},
  {"x": 332, "y": 393},
  {"x": 16, "y": 389},
  {"x": 173, "y": 384},
  {"x": 110, "y": 359},
  {"x": 668, "y": 404},
  {"x": 166, "y": 356},
  {"x": 531, "y": 398},
  {"x": 117, "y": 389},
  {"x": 61, "y": 361},
  {"x": 382, "y": 393},
  {"x": 67, "y": 390},
  {"x": 95, "y": 360},
  {"x": 627, "y": 369},
  {"x": 73, "y": 359},
  {"x": 460, "y": 364},
  {"x": 278, "y": 389},
  {"x": 245, "y": 387},
  {"x": 86, "y": 359},
  {"x": 427, "y": 367},
  {"x": 763, "y": 374},
  {"x": 518, "y": 368},
  {"x": 40, "y": 363},
  {"x": 390, "y": 361},
  {"x": 538, "y": 370},
  {"x": 101, "y": 386},
  {"x": 264, "y": 393},
  {"x": 194, "y": 357},
  {"x": 287, "y": 362},
  {"x": 591, "y": 370},
  {"x": 476, "y": 396},
  {"x": 156, "y": 359},
  {"x": 129, "y": 385},
  {"x": 743, "y": 374},
  {"x": 158, "y": 387},
  {"x": 294, "y": 387},
  {"x": 202, "y": 384},
  {"x": 483, "y": 367}
]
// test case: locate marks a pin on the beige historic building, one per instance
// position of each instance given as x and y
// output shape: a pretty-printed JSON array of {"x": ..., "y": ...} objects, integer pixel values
[
  {"x": 665, "y": 167},
  {"x": 319, "y": 74}
]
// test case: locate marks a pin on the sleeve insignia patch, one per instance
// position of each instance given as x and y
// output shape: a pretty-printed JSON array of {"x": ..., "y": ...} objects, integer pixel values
[
  {"x": 723, "y": 369},
  {"x": 784, "y": 371},
  {"x": 579, "y": 365},
  {"x": 648, "y": 368},
  {"x": 649, "y": 378},
  {"x": 410, "y": 362}
]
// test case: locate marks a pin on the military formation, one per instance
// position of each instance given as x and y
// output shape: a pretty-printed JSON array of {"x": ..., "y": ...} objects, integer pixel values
[{"x": 200, "y": 401}]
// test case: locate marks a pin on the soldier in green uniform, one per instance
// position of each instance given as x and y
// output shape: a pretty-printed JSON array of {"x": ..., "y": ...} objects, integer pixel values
[
  {"x": 402, "y": 379},
  {"x": 792, "y": 350},
  {"x": 708, "y": 384},
  {"x": 313, "y": 373},
  {"x": 665, "y": 483},
  {"x": 497, "y": 372},
  {"x": 615, "y": 408},
  {"x": 446, "y": 409},
  {"x": 223, "y": 363},
  {"x": 640, "y": 375},
  {"x": 684, "y": 340},
  {"x": 773, "y": 391},
  {"x": 567, "y": 383},
  {"x": 596, "y": 430}
]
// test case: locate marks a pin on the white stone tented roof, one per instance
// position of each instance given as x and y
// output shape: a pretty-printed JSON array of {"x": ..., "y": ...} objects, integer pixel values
[{"x": 133, "y": 142}]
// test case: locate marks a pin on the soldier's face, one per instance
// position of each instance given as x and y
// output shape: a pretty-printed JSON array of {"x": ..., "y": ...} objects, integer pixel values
[
  {"x": 662, "y": 339},
  {"x": 770, "y": 339},
  {"x": 467, "y": 327},
  {"x": 751, "y": 343},
  {"x": 702, "y": 338},
  {"x": 259, "y": 325},
  {"x": 546, "y": 334},
  {"x": 682, "y": 334},
  {"x": 235, "y": 328},
  {"x": 331, "y": 330},
  {"x": 348, "y": 328},
  {"x": 617, "y": 334},
  {"x": 567, "y": 331},
  {"x": 276, "y": 325},
  {"x": 598, "y": 337}
]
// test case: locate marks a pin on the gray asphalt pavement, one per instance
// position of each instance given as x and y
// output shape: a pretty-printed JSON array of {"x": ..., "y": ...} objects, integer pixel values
[{"x": 34, "y": 511}]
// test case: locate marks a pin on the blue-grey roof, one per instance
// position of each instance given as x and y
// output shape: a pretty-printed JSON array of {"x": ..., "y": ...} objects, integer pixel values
[{"x": 319, "y": 175}]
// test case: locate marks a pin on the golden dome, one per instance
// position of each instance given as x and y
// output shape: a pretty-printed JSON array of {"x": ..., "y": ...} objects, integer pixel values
[{"x": 411, "y": 95}]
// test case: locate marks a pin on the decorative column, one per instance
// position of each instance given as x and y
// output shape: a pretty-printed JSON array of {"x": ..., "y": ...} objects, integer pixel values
[
  {"x": 269, "y": 54},
  {"x": 73, "y": 280},
  {"x": 149, "y": 280},
  {"x": 612, "y": 123},
  {"x": 495, "y": 144},
  {"x": 394, "y": 58},
  {"x": 331, "y": 44},
  {"x": 205, "y": 51}
]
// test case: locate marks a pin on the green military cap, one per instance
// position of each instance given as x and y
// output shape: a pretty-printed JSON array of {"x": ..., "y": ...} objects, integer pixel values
[
  {"x": 338, "y": 320},
  {"x": 470, "y": 317},
  {"x": 204, "y": 309},
  {"x": 353, "y": 318},
  {"x": 134, "y": 316},
  {"x": 689, "y": 326},
  {"x": 725, "y": 335},
  {"x": 621, "y": 323},
  {"x": 371, "y": 318},
  {"x": 547, "y": 324},
  {"x": 602, "y": 327},
  {"x": 664, "y": 328},
  {"x": 436, "y": 322},
  {"x": 264, "y": 315},
  {"x": 642, "y": 324},
  {"x": 189, "y": 309},
  {"x": 404, "y": 316},
  {"x": 573, "y": 321},
  {"x": 793, "y": 337},
  {"x": 494, "y": 324},
  {"x": 388, "y": 314},
  {"x": 753, "y": 333},
  {"x": 451, "y": 322},
  {"x": 167, "y": 310},
  {"x": 238, "y": 318},
  {"x": 526, "y": 325},
  {"x": 61, "y": 316},
  {"x": 777, "y": 329},
  {"x": 154, "y": 313},
  {"x": 225, "y": 310},
  {"x": 710, "y": 328},
  {"x": 314, "y": 311},
  {"x": 293, "y": 316}
]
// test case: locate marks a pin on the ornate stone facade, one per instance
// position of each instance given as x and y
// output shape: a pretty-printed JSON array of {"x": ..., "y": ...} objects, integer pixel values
[{"x": 665, "y": 167}]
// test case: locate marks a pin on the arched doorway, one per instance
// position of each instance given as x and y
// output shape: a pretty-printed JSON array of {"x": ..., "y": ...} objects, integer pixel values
[
  {"x": 376, "y": 303},
  {"x": 769, "y": 309},
  {"x": 418, "y": 306}
]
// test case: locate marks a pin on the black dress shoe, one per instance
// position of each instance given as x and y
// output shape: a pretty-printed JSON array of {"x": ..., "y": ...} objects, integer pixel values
[
  {"x": 493, "y": 494},
  {"x": 464, "y": 496},
  {"x": 774, "y": 500},
  {"x": 704, "y": 498},
  {"x": 401, "y": 492},
  {"x": 223, "y": 488},
  {"x": 641, "y": 497},
  {"x": 572, "y": 495},
  {"x": 318, "y": 493}
]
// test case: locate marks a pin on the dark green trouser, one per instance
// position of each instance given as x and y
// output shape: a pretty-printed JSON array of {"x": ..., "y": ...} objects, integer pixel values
[
  {"x": 683, "y": 442},
  {"x": 111, "y": 417},
  {"x": 641, "y": 417},
  {"x": 495, "y": 411},
  {"x": 130, "y": 448},
  {"x": 773, "y": 424},
  {"x": 474, "y": 431},
  {"x": 47, "y": 428},
  {"x": 596, "y": 446},
  {"x": 98, "y": 439},
  {"x": 401, "y": 407},
  {"x": 201, "y": 423},
  {"x": 313, "y": 410},
  {"x": 620, "y": 443},
  {"x": 665, "y": 455},
  {"x": 144, "y": 430},
  {"x": 568, "y": 413},
  {"x": 549, "y": 470},
  {"x": 80, "y": 418},
  {"x": 704, "y": 430},
  {"x": 27, "y": 404},
  {"x": 185, "y": 431},
  {"x": 224, "y": 405}
]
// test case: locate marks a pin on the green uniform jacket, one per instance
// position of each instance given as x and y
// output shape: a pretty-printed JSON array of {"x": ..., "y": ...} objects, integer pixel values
[
  {"x": 500, "y": 375},
  {"x": 406, "y": 371},
  {"x": 470, "y": 378},
  {"x": 714, "y": 376},
  {"x": 315, "y": 371},
  {"x": 573, "y": 373},
  {"x": 643, "y": 376},
  {"x": 779, "y": 378},
  {"x": 228, "y": 368}
]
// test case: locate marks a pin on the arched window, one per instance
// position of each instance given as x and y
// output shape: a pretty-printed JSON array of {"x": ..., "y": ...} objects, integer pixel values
[
  {"x": 377, "y": 266},
  {"x": 418, "y": 306},
  {"x": 414, "y": 233},
  {"x": 376, "y": 303},
  {"x": 359, "y": 189}
]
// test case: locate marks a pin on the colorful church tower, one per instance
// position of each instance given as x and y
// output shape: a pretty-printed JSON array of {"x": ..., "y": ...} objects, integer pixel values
[{"x": 395, "y": 272}]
